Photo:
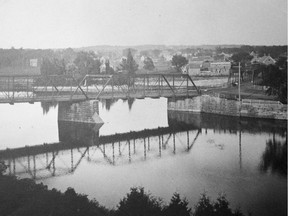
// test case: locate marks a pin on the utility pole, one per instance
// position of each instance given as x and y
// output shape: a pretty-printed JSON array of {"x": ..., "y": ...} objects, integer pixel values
[
  {"x": 239, "y": 83},
  {"x": 239, "y": 89}
]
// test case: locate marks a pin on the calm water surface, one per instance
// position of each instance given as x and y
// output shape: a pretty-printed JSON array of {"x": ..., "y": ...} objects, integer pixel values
[{"x": 142, "y": 144}]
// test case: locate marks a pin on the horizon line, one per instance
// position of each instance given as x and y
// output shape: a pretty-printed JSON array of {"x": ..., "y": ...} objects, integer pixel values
[{"x": 138, "y": 45}]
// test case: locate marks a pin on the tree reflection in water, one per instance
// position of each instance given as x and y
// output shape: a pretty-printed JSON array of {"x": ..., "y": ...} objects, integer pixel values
[
  {"x": 46, "y": 106},
  {"x": 107, "y": 103},
  {"x": 274, "y": 158}
]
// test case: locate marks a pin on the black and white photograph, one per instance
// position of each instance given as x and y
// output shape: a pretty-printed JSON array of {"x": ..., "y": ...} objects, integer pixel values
[{"x": 143, "y": 107}]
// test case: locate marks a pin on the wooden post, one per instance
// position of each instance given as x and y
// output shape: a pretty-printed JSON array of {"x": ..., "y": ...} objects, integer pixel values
[
  {"x": 174, "y": 146},
  {"x": 113, "y": 153},
  {"x": 240, "y": 150},
  {"x": 129, "y": 151},
  {"x": 159, "y": 146},
  {"x": 119, "y": 146},
  {"x": 145, "y": 149},
  {"x": 187, "y": 140}
]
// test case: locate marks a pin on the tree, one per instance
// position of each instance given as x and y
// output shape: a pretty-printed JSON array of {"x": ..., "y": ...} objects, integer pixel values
[
  {"x": 126, "y": 51},
  {"x": 129, "y": 64},
  {"x": 108, "y": 68},
  {"x": 148, "y": 64},
  {"x": 221, "y": 206},
  {"x": 275, "y": 77},
  {"x": 156, "y": 52},
  {"x": 177, "y": 206},
  {"x": 144, "y": 52},
  {"x": 137, "y": 202},
  {"x": 71, "y": 69},
  {"x": 87, "y": 63},
  {"x": 204, "y": 207},
  {"x": 274, "y": 158},
  {"x": 242, "y": 57},
  {"x": 3, "y": 167},
  {"x": 68, "y": 54},
  {"x": 179, "y": 61},
  {"x": 53, "y": 67}
]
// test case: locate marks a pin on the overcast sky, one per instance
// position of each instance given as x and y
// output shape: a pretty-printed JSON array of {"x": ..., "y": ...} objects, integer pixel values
[{"x": 77, "y": 23}]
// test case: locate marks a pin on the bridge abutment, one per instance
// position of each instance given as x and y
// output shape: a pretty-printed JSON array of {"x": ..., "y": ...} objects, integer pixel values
[{"x": 222, "y": 106}]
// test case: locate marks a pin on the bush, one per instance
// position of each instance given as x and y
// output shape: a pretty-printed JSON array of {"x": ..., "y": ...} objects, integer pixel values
[
  {"x": 3, "y": 167},
  {"x": 24, "y": 197}
]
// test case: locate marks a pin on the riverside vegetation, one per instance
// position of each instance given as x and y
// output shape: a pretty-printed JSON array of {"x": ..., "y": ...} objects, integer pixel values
[{"x": 20, "y": 197}]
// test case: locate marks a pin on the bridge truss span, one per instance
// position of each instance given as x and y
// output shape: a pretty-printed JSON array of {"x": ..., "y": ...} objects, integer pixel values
[{"x": 31, "y": 89}]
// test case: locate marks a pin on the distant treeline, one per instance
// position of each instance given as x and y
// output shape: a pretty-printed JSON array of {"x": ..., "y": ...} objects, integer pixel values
[
  {"x": 21, "y": 57},
  {"x": 273, "y": 51},
  {"x": 77, "y": 62}
]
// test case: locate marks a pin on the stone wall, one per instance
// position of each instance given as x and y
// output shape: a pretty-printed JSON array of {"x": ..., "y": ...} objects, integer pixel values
[
  {"x": 222, "y": 106},
  {"x": 206, "y": 82},
  {"x": 84, "y": 112},
  {"x": 264, "y": 110}
]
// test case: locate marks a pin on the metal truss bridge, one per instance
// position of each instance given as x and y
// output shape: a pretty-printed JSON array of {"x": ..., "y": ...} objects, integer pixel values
[{"x": 17, "y": 89}]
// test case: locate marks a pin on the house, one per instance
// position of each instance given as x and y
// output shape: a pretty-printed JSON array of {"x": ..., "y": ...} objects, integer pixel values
[
  {"x": 254, "y": 54},
  {"x": 225, "y": 56},
  {"x": 33, "y": 63},
  {"x": 164, "y": 66},
  {"x": 206, "y": 65},
  {"x": 264, "y": 60},
  {"x": 220, "y": 67},
  {"x": 194, "y": 68}
]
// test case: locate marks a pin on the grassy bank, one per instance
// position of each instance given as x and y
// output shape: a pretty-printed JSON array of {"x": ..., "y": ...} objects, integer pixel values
[{"x": 248, "y": 91}]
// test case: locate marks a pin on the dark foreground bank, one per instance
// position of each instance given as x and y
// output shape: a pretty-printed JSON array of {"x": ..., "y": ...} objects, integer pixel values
[{"x": 21, "y": 197}]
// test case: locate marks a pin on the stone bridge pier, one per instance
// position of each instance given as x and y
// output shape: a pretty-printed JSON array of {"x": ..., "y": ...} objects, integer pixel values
[
  {"x": 79, "y": 122},
  {"x": 81, "y": 112}
]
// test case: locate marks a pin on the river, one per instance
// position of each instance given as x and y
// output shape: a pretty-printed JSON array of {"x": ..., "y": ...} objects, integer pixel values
[{"x": 142, "y": 144}]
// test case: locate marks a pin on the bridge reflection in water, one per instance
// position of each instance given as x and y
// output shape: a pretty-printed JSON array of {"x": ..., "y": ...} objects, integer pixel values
[{"x": 81, "y": 141}]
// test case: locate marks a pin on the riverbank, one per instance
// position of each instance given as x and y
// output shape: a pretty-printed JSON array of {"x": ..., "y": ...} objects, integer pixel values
[
  {"x": 221, "y": 103},
  {"x": 247, "y": 90}
]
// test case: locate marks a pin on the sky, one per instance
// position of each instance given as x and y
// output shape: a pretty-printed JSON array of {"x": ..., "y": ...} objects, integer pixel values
[{"x": 79, "y": 23}]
